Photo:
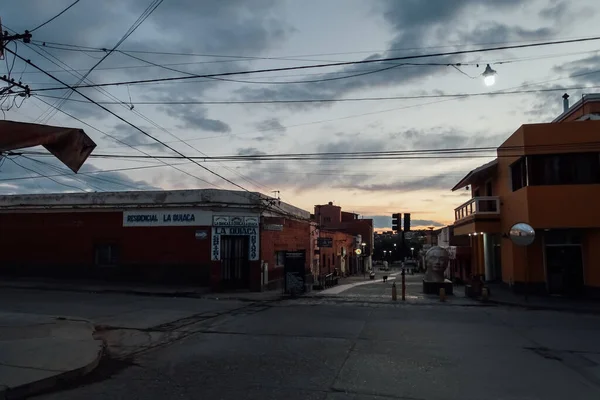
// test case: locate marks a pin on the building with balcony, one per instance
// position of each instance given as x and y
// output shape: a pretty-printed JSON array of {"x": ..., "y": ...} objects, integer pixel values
[{"x": 546, "y": 175}]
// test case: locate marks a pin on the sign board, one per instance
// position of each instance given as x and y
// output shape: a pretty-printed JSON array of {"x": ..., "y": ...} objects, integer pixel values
[
  {"x": 325, "y": 242},
  {"x": 250, "y": 231},
  {"x": 273, "y": 227},
  {"x": 181, "y": 217},
  {"x": 201, "y": 235},
  {"x": 234, "y": 220},
  {"x": 235, "y": 230}
]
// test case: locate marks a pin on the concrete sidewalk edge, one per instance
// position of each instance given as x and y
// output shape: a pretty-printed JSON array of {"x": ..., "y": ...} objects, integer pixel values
[
  {"x": 59, "y": 288},
  {"x": 540, "y": 307},
  {"x": 32, "y": 388},
  {"x": 249, "y": 297}
]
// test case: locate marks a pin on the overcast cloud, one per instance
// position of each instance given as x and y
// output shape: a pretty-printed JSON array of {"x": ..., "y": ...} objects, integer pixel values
[{"x": 211, "y": 36}]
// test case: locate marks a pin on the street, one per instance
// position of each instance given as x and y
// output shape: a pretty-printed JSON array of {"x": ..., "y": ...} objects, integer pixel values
[{"x": 355, "y": 345}]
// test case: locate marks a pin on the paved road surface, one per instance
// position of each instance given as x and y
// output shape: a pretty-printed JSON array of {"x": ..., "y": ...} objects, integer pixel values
[{"x": 365, "y": 350}]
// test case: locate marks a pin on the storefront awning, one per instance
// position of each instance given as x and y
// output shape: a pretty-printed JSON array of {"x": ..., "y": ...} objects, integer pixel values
[
  {"x": 477, "y": 175},
  {"x": 72, "y": 146}
]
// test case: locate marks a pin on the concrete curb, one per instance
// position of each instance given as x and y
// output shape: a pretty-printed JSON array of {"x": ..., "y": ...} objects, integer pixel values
[
  {"x": 540, "y": 308},
  {"x": 44, "y": 385},
  {"x": 135, "y": 292}
]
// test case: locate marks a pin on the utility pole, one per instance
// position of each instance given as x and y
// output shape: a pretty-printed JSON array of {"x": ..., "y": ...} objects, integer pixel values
[{"x": 5, "y": 38}]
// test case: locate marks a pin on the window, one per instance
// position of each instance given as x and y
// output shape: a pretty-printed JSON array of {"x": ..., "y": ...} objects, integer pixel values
[
  {"x": 279, "y": 259},
  {"x": 565, "y": 169},
  {"x": 107, "y": 255},
  {"x": 518, "y": 173}
]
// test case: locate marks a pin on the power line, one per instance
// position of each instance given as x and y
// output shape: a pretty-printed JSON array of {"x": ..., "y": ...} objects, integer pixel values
[
  {"x": 291, "y": 82},
  {"x": 147, "y": 12},
  {"x": 156, "y": 65},
  {"x": 56, "y": 16},
  {"x": 128, "y": 145},
  {"x": 336, "y": 64},
  {"x": 341, "y": 100},
  {"x": 93, "y": 172},
  {"x": 130, "y": 107},
  {"x": 504, "y": 151},
  {"x": 114, "y": 182},
  {"x": 129, "y": 123},
  {"x": 235, "y": 58},
  {"x": 46, "y": 176}
]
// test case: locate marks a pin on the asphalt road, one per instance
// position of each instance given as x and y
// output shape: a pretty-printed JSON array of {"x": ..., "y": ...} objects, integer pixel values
[{"x": 369, "y": 349}]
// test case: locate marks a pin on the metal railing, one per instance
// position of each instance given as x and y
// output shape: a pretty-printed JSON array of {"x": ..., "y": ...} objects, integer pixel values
[{"x": 489, "y": 205}]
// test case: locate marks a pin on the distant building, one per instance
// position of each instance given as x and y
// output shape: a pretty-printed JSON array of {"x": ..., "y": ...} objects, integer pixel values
[
  {"x": 331, "y": 217},
  {"x": 546, "y": 175}
]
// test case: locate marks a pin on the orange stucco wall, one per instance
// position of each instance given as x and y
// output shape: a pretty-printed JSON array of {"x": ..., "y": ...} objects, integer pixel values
[{"x": 544, "y": 207}]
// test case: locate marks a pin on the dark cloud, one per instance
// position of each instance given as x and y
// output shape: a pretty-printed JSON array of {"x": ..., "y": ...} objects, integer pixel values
[
  {"x": 416, "y": 24},
  {"x": 194, "y": 117},
  {"x": 494, "y": 32},
  {"x": 440, "y": 181},
  {"x": 561, "y": 11},
  {"x": 135, "y": 138},
  {"x": 270, "y": 128},
  {"x": 212, "y": 28},
  {"x": 250, "y": 151}
]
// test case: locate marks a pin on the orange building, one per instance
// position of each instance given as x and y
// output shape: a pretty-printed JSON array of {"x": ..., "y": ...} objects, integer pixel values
[{"x": 546, "y": 175}]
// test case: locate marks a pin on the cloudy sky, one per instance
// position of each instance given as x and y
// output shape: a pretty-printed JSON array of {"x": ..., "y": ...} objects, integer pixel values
[{"x": 213, "y": 36}]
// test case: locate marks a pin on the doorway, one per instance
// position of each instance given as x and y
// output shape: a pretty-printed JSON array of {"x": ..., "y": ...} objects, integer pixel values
[
  {"x": 235, "y": 266},
  {"x": 564, "y": 269}
]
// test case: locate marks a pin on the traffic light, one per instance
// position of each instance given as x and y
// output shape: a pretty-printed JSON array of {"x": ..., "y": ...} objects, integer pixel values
[
  {"x": 407, "y": 222},
  {"x": 396, "y": 221}
]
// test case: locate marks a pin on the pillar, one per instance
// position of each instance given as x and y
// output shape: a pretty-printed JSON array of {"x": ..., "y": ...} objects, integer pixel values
[{"x": 488, "y": 256}]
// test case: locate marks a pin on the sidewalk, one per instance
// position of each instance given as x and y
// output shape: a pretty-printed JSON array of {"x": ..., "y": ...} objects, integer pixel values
[
  {"x": 38, "y": 352},
  {"x": 141, "y": 289},
  {"x": 502, "y": 295}
]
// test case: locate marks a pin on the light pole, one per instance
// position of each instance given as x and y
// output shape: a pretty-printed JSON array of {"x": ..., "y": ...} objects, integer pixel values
[
  {"x": 363, "y": 245},
  {"x": 412, "y": 252}
]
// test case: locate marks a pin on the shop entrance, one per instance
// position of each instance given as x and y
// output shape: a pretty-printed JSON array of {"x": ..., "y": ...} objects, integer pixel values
[
  {"x": 235, "y": 266},
  {"x": 564, "y": 266}
]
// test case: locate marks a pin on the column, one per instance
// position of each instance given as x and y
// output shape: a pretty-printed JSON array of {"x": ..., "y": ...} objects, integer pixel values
[{"x": 488, "y": 256}]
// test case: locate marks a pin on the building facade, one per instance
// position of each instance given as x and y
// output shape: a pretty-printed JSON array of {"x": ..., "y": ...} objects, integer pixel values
[
  {"x": 546, "y": 175},
  {"x": 223, "y": 239},
  {"x": 331, "y": 217}
]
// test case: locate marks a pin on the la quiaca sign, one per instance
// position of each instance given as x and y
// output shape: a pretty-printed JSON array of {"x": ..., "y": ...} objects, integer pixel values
[{"x": 165, "y": 218}]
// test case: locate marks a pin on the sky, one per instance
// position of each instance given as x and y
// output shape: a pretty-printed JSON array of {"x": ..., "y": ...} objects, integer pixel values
[{"x": 218, "y": 36}]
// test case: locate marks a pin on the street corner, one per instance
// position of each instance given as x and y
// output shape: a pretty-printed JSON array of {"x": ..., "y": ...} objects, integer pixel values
[{"x": 39, "y": 353}]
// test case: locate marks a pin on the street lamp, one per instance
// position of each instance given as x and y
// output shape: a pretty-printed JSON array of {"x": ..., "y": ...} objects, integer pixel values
[
  {"x": 412, "y": 252},
  {"x": 489, "y": 76}
]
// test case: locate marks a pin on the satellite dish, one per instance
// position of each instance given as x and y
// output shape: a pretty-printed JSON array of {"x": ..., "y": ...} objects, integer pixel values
[{"x": 522, "y": 234}]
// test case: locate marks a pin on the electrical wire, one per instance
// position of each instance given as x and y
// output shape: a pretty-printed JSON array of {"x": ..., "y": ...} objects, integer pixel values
[
  {"x": 134, "y": 148},
  {"x": 235, "y": 58},
  {"x": 131, "y": 124},
  {"x": 468, "y": 152},
  {"x": 287, "y": 82},
  {"x": 130, "y": 108},
  {"x": 46, "y": 176},
  {"x": 341, "y": 100},
  {"x": 56, "y": 16},
  {"x": 326, "y": 65},
  {"x": 70, "y": 174},
  {"x": 147, "y": 12}
]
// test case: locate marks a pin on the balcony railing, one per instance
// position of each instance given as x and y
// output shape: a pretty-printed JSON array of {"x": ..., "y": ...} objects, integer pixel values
[{"x": 478, "y": 206}]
